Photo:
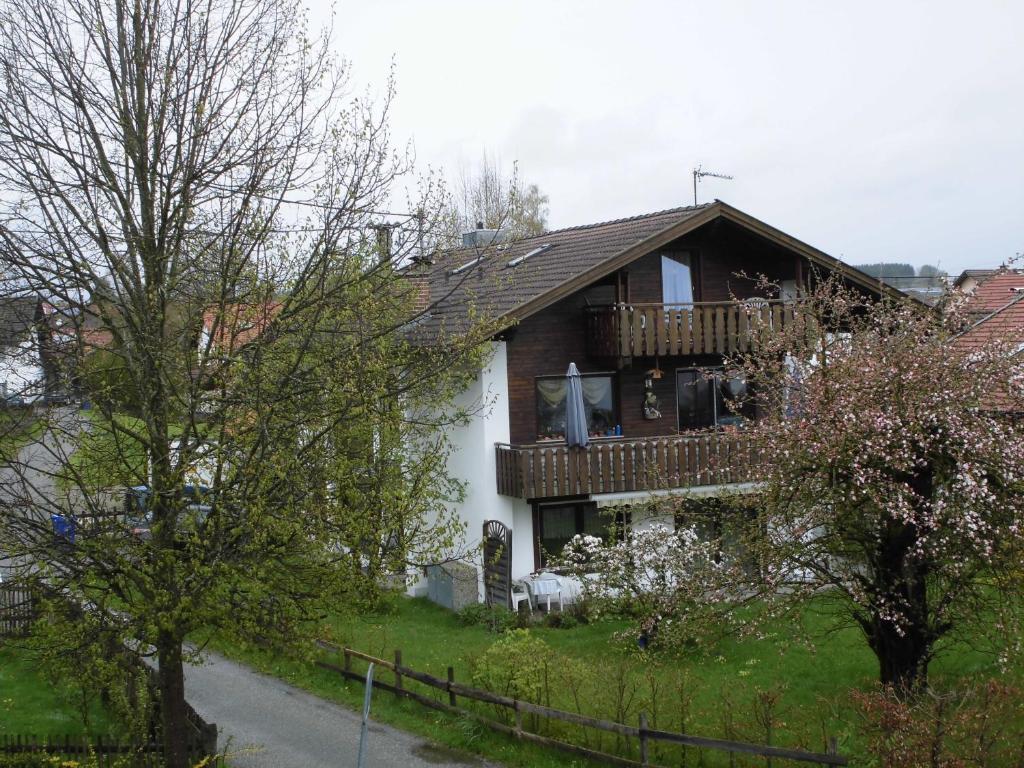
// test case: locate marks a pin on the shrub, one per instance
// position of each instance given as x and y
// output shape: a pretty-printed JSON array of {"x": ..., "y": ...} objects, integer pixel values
[
  {"x": 517, "y": 665},
  {"x": 494, "y": 618},
  {"x": 560, "y": 621},
  {"x": 971, "y": 725}
]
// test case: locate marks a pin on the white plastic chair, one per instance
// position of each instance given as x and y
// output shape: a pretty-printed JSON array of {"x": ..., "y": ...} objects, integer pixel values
[{"x": 519, "y": 594}]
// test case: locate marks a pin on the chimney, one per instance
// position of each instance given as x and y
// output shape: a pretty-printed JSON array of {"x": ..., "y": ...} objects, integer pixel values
[{"x": 383, "y": 242}]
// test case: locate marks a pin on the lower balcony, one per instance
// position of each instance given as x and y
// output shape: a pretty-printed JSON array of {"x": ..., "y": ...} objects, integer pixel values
[{"x": 546, "y": 470}]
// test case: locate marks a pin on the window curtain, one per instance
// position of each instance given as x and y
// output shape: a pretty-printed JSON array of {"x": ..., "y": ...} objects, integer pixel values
[
  {"x": 676, "y": 281},
  {"x": 552, "y": 391}
]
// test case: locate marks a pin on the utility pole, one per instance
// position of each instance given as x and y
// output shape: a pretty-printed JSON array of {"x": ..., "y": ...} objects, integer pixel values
[{"x": 699, "y": 173}]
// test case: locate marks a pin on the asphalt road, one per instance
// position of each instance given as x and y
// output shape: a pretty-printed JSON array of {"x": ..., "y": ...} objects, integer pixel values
[
  {"x": 28, "y": 486},
  {"x": 266, "y": 723}
]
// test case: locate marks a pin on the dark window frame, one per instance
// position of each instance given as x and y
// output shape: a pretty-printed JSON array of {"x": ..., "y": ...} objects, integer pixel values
[
  {"x": 616, "y": 405},
  {"x": 717, "y": 397},
  {"x": 619, "y": 525}
]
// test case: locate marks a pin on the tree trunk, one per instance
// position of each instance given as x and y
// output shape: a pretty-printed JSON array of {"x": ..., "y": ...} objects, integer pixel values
[
  {"x": 174, "y": 724},
  {"x": 902, "y": 657}
]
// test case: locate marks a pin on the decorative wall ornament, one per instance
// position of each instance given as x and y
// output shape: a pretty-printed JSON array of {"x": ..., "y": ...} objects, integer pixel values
[{"x": 650, "y": 404}]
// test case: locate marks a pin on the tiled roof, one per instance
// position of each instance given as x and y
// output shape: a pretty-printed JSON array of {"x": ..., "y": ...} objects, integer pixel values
[
  {"x": 498, "y": 290},
  {"x": 483, "y": 279},
  {"x": 995, "y": 291}
]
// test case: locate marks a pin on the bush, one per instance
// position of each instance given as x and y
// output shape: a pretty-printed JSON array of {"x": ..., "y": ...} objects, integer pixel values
[
  {"x": 517, "y": 665},
  {"x": 971, "y": 725},
  {"x": 494, "y": 618},
  {"x": 560, "y": 621}
]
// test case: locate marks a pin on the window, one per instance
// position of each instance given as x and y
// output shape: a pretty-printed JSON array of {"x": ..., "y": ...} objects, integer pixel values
[
  {"x": 598, "y": 402},
  {"x": 704, "y": 399},
  {"x": 556, "y": 524},
  {"x": 676, "y": 280}
]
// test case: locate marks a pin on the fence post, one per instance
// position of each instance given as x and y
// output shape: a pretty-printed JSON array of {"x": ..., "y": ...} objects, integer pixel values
[
  {"x": 398, "y": 675},
  {"x": 643, "y": 738},
  {"x": 451, "y": 679},
  {"x": 519, "y": 719},
  {"x": 348, "y": 662},
  {"x": 833, "y": 746}
]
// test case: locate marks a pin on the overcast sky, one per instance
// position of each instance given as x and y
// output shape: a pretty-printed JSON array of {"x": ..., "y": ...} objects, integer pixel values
[{"x": 874, "y": 131}]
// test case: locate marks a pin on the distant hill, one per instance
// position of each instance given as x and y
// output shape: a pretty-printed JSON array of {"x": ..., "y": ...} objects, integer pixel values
[{"x": 927, "y": 282}]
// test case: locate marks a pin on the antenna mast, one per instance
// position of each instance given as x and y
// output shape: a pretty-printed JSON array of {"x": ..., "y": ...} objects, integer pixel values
[{"x": 699, "y": 173}]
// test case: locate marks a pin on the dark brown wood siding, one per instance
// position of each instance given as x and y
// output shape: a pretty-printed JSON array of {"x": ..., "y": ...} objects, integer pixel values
[{"x": 545, "y": 343}]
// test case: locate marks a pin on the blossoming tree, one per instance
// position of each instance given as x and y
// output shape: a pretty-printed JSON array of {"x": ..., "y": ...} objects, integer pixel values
[
  {"x": 891, "y": 469},
  {"x": 890, "y": 475}
]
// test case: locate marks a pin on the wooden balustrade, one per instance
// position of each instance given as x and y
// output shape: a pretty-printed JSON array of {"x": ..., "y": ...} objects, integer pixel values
[
  {"x": 546, "y": 470},
  {"x": 649, "y": 330}
]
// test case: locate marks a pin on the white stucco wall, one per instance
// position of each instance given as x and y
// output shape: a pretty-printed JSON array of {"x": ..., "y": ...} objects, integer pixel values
[
  {"x": 472, "y": 461},
  {"x": 21, "y": 372}
]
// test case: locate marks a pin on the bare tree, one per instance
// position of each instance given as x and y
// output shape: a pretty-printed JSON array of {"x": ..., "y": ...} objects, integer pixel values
[
  {"x": 192, "y": 189},
  {"x": 487, "y": 195}
]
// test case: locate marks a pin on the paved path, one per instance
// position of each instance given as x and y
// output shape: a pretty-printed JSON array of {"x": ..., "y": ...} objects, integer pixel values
[{"x": 266, "y": 723}]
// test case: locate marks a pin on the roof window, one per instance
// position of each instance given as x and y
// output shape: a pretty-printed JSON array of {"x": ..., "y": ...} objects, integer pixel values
[
  {"x": 520, "y": 259},
  {"x": 467, "y": 265}
]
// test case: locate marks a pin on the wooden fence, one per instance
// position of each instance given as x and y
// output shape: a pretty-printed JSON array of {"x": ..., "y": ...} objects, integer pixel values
[
  {"x": 641, "y": 733},
  {"x": 17, "y": 610}
]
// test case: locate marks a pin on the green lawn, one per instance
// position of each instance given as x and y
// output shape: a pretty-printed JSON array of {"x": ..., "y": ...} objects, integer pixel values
[
  {"x": 17, "y": 427},
  {"x": 31, "y": 705},
  {"x": 724, "y": 691}
]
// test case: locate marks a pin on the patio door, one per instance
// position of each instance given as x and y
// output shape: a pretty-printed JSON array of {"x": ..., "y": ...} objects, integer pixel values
[{"x": 497, "y": 563}]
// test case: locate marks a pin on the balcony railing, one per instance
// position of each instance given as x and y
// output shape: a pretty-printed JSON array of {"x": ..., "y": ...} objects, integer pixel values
[
  {"x": 647, "y": 330},
  {"x": 547, "y": 470}
]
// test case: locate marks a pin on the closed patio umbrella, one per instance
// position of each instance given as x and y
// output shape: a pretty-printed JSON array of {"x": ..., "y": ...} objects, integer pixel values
[{"x": 576, "y": 432}]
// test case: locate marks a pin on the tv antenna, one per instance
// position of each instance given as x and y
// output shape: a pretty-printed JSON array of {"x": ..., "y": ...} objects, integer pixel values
[{"x": 699, "y": 173}]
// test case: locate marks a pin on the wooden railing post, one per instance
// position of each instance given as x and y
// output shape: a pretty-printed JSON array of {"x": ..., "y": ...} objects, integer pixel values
[
  {"x": 451, "y": 679},
  {"x": 643, "y": 739},
  {"x": 398, "y": 674},
  {"x": 519, "y": 719},
  {"x": 348, "y": 662},
  {"x": 833, "y": 746}
]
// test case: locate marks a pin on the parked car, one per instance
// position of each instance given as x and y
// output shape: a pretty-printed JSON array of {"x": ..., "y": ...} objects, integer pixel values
[{"x": 139, "y": 515}]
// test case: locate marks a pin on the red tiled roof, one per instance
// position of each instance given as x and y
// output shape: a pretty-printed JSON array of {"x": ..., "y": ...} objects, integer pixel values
[
  {"x": 995, "y": 291},
  {"x": 238, "y": 324}
]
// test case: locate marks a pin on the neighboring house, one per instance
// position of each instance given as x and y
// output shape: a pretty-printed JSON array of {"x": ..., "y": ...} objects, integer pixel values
[
  {"x": 23, "y": 376},
  {"x": 991, "y": 290},
  {"x": 996, "y": 308},
  {"x": 643, "y": 306},
  {"x": 970, "y": 279}
]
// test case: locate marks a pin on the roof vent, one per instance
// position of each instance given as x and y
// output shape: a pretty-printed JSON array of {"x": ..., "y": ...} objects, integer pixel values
[{"x": 520, "y": 259}]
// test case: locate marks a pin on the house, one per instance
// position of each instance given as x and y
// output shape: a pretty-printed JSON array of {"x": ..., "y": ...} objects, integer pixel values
[
  {"x": 995, "y": 308},
  {"x": 644, "y": 306},
  {"x": 23, "y": 376}
]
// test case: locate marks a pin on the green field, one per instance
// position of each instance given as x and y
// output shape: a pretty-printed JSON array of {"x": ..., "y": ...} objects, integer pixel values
[
  {"x": 31, "y": 704},
  {"x": 723, "y": 691}
]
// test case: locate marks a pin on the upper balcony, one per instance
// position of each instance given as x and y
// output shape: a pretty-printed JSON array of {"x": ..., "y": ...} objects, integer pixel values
[
  {"x": 649, "y": 330},
  {"x": 547, "y": 470}
]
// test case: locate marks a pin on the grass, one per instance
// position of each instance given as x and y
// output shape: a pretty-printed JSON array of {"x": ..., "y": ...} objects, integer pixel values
[
  {"x": 723, "y": 688},
  {"x": 17, "y": 428},
  {"x": 30, "y": 704},
  {"x": 107, "y": 458}
]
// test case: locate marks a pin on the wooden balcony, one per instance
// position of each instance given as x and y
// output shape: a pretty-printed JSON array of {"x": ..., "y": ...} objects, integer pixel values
[
  {"x": 547, "y": 470},
  {"x": 647, "y": 330}
]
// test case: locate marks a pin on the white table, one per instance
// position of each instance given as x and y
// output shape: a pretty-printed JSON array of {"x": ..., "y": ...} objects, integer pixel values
[{"x": 545, "y": 585}]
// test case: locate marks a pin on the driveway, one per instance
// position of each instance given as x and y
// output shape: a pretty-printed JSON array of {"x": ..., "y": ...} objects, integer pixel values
[{"x": 266, "y": 723}]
